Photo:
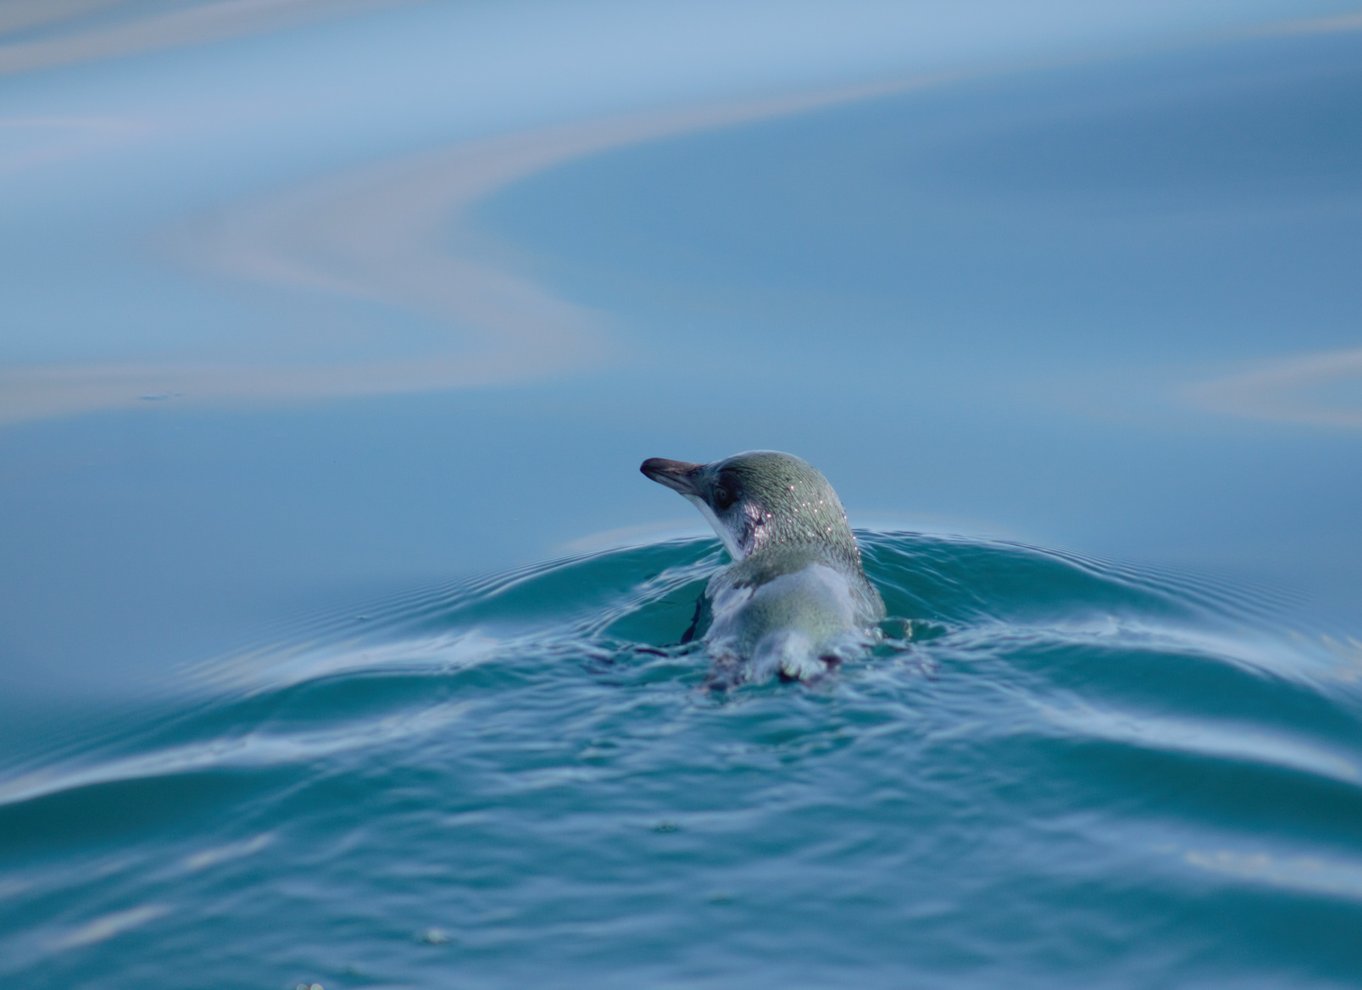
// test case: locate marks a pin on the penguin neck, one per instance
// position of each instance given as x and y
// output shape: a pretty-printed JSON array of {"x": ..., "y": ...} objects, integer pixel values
[
  {"x": 818, "y": 541},
  {"x": 786, "y": 556},
  {"x": 725, "y": 535}
]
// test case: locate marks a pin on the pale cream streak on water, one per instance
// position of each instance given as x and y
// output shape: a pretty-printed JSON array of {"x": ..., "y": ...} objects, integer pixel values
[
  {"x": 155, "y": 30},
  {"x": 372, "y": 234},
  {"x": 1339, "y": 24},
  {"x": 27, "y": 15},
  {"x": 397, "y": 233},
  {"x": 33, "y": 142},
  {"x": 1281, "y": 390}
]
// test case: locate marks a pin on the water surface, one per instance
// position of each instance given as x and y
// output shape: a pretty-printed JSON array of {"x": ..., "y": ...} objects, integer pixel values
[
  {"x": 1052, "y": 769},
  {"x": 338, "y": 630}
]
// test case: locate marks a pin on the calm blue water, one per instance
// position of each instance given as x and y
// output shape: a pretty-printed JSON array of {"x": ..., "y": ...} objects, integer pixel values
[{"x": 338, "y": 630}]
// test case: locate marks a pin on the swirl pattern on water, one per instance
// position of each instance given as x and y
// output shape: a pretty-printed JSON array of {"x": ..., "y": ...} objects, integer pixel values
[{"x": 1054, "y": 765}]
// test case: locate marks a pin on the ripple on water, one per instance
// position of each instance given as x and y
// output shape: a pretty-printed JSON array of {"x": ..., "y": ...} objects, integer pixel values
[{"x": 1051, "y": 765}]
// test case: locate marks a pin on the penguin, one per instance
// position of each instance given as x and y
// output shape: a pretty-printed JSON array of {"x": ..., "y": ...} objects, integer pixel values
[{"x": 795, "y": 599}]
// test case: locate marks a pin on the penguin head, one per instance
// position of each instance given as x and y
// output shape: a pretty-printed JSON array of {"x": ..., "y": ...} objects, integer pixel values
[{"x": 759, "y": 499}]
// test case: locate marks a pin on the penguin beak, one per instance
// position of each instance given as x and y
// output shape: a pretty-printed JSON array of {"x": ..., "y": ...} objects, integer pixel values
[{"x": 679, "y": 476}]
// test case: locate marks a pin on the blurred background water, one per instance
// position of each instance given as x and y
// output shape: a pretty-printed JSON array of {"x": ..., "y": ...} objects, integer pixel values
[{"x": 336, "y": 622}]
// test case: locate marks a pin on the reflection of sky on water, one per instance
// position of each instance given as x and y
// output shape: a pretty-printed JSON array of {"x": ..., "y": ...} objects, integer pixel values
[
  {"x": 392, "y": 234},
  {"x": 273, "y": 114},
  {"x": 1078, "y": 274}
]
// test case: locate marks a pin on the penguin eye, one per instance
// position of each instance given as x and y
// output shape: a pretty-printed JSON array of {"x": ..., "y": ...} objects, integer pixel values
[{"x": 723, "y": 498}]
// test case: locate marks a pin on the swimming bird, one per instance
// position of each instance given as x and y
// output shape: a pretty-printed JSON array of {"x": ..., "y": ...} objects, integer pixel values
[{"x": 795, "y": 599}]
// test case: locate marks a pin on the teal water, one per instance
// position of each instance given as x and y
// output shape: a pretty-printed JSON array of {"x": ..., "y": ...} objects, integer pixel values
[
  {"x": 338, "y": 629},
  {"x": 1052, "y": 770}
]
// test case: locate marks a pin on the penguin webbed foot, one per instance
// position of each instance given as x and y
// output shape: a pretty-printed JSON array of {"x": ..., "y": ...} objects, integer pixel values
[
  {"x": 812, "y": 673},
  {"x": 730, "y": 672}
]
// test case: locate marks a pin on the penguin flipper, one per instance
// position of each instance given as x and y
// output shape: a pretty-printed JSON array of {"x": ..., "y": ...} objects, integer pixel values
[{"x": 698, "y": 619}]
